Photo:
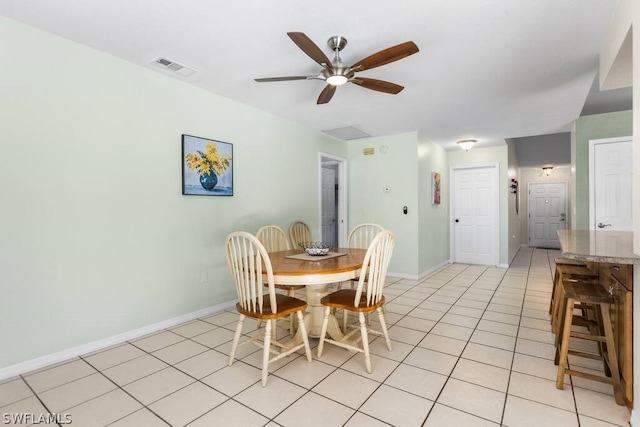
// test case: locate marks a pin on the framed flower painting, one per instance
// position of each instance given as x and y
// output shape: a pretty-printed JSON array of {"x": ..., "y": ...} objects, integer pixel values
[
  {"x": 207, "y": 167},
  {"x": 435, "y": 188}
]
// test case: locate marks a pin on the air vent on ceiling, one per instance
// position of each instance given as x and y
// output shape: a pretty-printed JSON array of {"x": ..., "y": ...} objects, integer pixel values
[
  {"x": 346, "y": 133},
  {"x": 174, "y": 67}
]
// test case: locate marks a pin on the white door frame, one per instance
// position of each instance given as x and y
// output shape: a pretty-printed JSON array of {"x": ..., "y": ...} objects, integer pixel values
[
  {"x": 592, "y": 175},
  {"x": 566, "y": 205},
  {"x": 496, "y": 243},
  {"x": 341, "y": 199}
]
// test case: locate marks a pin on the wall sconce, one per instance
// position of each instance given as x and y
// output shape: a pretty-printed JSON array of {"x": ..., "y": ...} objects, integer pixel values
[
  {"x": 547, "y": 170},
  {"x": 466, "y": 144}
]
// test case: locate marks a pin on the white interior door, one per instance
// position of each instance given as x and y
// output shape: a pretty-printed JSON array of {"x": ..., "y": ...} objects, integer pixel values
[
  {"x": 610, "y": 176},
  {"x": 547, "y": 213},
  {"x": 332, "y": 199},
  {"x": 329, "y": 208},
  {"x": 475, "y": 215}
]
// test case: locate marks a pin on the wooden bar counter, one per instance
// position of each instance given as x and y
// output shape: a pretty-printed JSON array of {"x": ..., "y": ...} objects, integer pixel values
[{"x": 610, "y": 253}]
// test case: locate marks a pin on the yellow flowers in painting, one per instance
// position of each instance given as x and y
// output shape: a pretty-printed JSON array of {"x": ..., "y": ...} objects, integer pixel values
[
  {"x": 209, "y": 161},
  {"x": 207, "y": 167}
]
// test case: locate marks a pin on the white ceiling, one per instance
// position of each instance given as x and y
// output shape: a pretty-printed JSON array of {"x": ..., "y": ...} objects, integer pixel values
[{"x": 489, "y": 70}]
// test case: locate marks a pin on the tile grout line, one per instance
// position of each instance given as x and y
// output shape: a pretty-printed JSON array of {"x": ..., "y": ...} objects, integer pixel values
[
  {"x": 506, "y": 394},
  {"x": 449, "y": 376}
]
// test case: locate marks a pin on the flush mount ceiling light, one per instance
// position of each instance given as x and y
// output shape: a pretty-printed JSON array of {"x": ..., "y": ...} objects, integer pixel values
[
  {"x": 547, "y": 170},
  {"x": 466, "y": 144}
]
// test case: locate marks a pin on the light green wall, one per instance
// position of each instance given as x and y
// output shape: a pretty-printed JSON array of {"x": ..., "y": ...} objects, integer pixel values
[
  {"x": 433, "y": 227},
  {"x": 95, "y": 237},
  {"x": 396, "y": 169},
  {"x": 405, "y": 168},
  {"x": 597, "y": 126},
  {"x": 490, "y": 156}
]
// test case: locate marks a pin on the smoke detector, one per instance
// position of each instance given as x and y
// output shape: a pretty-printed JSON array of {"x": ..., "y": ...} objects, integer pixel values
[{"x": 174, "y": 67}]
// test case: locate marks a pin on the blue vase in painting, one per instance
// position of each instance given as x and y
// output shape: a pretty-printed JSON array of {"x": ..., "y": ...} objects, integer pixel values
[{"x": 208, "y": 181}]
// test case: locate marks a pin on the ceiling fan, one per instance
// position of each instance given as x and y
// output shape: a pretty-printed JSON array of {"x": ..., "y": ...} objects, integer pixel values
[{"x": 335, "y": 73}]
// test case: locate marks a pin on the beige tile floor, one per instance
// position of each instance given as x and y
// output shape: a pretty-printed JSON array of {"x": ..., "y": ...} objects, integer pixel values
[{"x": 471, "y": 347}]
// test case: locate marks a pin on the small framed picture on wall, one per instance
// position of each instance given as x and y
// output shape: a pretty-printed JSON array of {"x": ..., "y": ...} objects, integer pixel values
[
  {"x": 435, "y": 188},
  {"x": 207, "y": 167}
]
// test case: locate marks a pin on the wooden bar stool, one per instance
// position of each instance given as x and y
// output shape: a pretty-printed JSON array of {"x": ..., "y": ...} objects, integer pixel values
[
  {"x": 562, "y": 261},
  {"x": 593, "y": 294},
  {"x": 563, "y": 272}
]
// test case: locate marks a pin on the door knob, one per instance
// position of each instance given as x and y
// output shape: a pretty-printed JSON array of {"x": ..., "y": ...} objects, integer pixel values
[
  {"x": 457, "y": 220},
  {"x": 601, "y": 225}
]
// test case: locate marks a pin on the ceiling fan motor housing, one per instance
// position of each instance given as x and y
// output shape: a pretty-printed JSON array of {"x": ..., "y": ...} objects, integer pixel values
[{"x": 337, "y": 42}]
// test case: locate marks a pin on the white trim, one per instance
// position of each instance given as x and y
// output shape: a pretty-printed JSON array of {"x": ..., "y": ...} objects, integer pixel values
[
  {"x": 403, "y": 275},
  {"x": 434, "y": 269},
  {"x": 503, "y": 265},
  {"x": 496, "y": 243},
  {"x": 61, "y": 356},
  {"x": 566, "y": 205},
  {"x": 634, "y": 421},
  {"x": 342, "y": 196},
  {"x": 592, "y": 177},
  {"x": 422, "y": 275}
]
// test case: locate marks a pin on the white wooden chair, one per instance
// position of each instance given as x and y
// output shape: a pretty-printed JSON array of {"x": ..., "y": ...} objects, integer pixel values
[
  {"x": 367, "y": 297},
  {"x": 274, "y": 239},
  {"x": 249, "y": 262},
  {"x": 360, "y": 237},
  {"x": 299, "y": 232}
]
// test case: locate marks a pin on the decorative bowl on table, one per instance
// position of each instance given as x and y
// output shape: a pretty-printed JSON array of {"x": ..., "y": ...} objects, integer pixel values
[{"x": 316, "y": 248}]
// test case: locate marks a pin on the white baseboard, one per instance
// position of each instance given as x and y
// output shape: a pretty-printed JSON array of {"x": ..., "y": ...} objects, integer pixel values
[
  {"x": 503, "y": 265},
  {"x": 433, "y": 269},
  {"x": 421, "y": 275},
  {"x": 61, "y": 356},
  {"x": 402, "y": 275},
  {"x": 634, "y": 421}
]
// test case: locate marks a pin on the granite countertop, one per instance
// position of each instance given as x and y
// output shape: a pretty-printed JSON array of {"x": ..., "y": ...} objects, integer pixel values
[{"x": 598, "y": 246}]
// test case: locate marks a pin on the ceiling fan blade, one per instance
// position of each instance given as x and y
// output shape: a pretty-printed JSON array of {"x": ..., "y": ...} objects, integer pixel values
[
  {"x": 379, "y": 85},
  {"x": 310, "y": 48},
  {"x": 386, "y": 56},
  {"x": 284, "y": 79},
  {"x": 326, "y": 94}
]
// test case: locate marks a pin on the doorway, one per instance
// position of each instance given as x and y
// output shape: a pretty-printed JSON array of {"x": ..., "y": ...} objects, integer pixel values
[
  {"x": 547, "y": 206},
  {"x": 610, "y": 176},
  {"x": 474, "y": 215},
  {"x": 333, "y": 199}
]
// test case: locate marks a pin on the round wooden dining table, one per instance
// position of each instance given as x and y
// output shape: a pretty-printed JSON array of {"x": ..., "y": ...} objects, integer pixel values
[{"x": 295, "y": 267}]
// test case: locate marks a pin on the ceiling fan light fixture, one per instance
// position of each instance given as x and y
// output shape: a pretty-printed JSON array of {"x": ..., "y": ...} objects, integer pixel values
[
  {"x": 337, "y": 80},
  {"x": 466, "y": 144},
  {"x": 335, "y": 73}
]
